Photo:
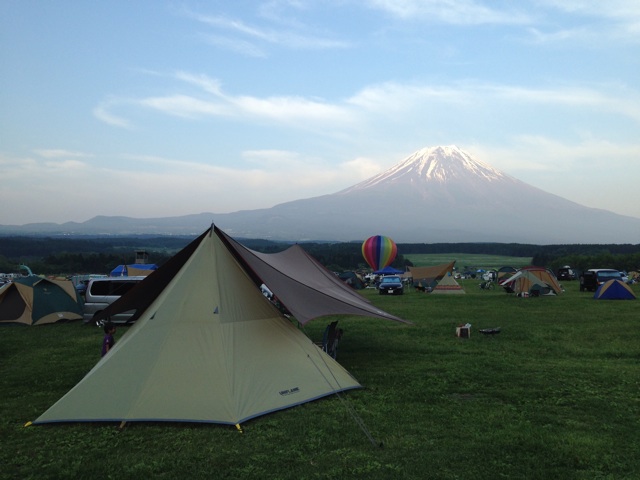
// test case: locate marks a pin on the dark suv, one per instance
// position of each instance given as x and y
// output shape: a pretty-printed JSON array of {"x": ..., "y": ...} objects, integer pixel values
[
  {"x": 591, "y": 279},
  {"x": 391, "y": 285},
  {"x": 566, "y": 273}
]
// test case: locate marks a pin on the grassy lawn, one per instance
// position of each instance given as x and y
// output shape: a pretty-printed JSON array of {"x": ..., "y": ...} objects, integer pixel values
[
  {"x": 483, "y": 261},
  {"x": 555, "y": 395}
]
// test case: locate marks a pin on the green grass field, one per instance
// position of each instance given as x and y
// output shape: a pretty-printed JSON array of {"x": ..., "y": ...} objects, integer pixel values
[
  {"x": 555, "y": 395},
  {"x": 467, "y": 259}
]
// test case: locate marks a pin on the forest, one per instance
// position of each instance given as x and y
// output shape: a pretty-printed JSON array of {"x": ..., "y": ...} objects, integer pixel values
[{"x": 79, "y": 255}]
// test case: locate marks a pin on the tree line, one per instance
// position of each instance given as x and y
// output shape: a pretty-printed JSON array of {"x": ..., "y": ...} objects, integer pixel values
[
  {"x": 627, "y": 262},
  {"x": 54, "y": 256}
]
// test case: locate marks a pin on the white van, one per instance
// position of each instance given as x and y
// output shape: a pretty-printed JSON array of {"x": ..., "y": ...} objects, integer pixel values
[{"x": 102, "y": 292}]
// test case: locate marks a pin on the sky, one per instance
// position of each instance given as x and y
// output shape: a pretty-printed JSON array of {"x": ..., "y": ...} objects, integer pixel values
[{"x": 162, "y": 108}]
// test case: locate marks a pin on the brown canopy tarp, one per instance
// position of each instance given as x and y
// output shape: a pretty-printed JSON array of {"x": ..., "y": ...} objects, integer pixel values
[
  {"x": 304, "y": 286},
  {"x": 428, "y": 276}
]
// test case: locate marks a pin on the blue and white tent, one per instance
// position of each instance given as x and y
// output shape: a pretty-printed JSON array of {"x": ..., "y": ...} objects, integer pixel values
[
  {"x": 614, "y": 290},
  {"x": 134, "y": 270}
]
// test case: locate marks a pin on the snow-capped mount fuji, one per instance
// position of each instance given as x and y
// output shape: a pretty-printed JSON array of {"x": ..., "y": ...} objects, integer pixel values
[
  {"x": 437, "y": 194},
  {"x": 435, "y": 164},
  {"x": 440, "y": 176}
]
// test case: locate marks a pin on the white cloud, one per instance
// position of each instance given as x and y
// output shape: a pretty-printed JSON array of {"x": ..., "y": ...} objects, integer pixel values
[
  {"x": 52, "y": 162},
  {"x": 213, "y": 102},
  {"x": 59, "y": 153},
  {"x": 600, "y": 22},
  {"x": 184, "y": 106},
  {"x": 291, "y": 109},
  {"x": 204, "y": 82},
  {"x": 621, "y": 101},
  {"x": 455, "y": 12},
  {"x": 66, "y": 165},
  {"x": 393, "y": 96},
  {"x": 537, "y": 152},
  {"x": 55, "y": 180},
  {"x": 390, "y": 103},
  {"x": 620, "y": 9},
  {"x": 581, "y": 34},
  {"x": 274, "y": 176},
  {"x": 237, "y": 26},
  {"x": 294, "y": 36},
  {"x": 14, "y": 168},
  {"x": 242, "y": 47},
  {"x": 361, "y": 168},
  {"x": 103, "y": 112},
  {"x": 310, "y": 175}
]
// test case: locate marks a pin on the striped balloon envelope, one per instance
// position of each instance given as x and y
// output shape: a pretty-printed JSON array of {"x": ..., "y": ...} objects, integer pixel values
[{"x": 379, "y": 251}]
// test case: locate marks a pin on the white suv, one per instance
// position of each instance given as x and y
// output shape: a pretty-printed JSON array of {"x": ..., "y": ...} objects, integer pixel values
[{"x": 102, "y": 292}]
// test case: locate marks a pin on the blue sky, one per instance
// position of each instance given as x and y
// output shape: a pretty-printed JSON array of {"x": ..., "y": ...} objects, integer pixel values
[{"x": 153, "y": 109}]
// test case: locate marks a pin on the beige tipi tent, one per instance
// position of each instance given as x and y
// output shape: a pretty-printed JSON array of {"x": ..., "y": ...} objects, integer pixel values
[
  {"x": 448, "y": 284},
  {"x": 207, "y": 346},
  {"x": 428, "y": 277}
]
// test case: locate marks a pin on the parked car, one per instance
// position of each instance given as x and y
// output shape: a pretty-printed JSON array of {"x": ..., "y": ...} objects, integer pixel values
[
  {"x": 566, "y": 273},
  {"x": 591, "y": 279},
  {"x": 102, "y": 292},
  {"x": 391, "y": 285}
]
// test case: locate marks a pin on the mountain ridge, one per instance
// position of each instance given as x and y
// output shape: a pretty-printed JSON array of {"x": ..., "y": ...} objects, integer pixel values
[{"x": 436, "y": 194}]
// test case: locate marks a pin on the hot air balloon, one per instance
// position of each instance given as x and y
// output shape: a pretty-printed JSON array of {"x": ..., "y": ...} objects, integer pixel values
[{"x": 379, "y": 251}]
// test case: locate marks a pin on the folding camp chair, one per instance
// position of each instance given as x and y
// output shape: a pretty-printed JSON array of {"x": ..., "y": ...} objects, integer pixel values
[{"x": 331, "y": 338}]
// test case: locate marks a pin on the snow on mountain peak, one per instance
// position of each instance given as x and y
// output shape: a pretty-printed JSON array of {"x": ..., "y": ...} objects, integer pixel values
[
  {"x": 439, "y": 164},
  {"x": 444, "y": 163}
]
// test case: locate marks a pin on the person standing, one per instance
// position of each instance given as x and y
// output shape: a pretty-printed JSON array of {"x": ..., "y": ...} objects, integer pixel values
[{"x": 108, "y": 341}]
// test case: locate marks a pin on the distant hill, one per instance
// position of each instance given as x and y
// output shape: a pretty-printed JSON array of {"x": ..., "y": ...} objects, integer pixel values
[{"x": 437, "y": 194}]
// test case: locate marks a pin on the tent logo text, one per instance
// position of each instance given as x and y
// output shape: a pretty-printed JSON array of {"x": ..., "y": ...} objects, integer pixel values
[{"x": 289, "y": 391}]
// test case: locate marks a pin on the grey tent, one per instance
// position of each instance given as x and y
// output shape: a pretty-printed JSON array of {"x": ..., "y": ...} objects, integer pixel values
[{"x": 207, "y": 346}]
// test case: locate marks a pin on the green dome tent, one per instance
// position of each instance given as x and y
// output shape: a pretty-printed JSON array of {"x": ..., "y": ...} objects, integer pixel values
[{"x": 36, "y": 300}]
